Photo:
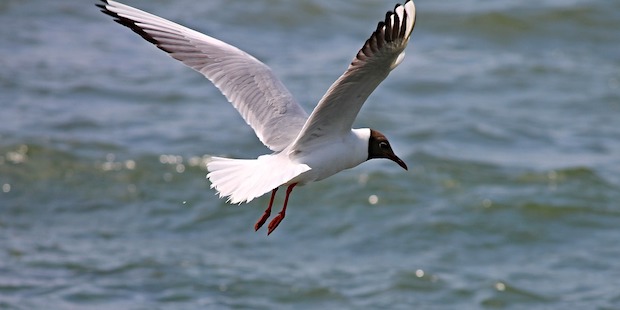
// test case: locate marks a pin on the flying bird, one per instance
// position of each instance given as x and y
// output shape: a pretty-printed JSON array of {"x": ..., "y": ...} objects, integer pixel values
[{"x": 306, "y": 148}]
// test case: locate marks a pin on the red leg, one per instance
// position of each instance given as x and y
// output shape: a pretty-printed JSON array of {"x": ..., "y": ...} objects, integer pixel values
[
  {"x": 267, "y": 213},
  {"x": 276, "y": 220}
]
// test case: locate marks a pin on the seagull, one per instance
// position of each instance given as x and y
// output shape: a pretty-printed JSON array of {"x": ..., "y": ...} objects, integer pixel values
[{"x": 306, "y": 148}]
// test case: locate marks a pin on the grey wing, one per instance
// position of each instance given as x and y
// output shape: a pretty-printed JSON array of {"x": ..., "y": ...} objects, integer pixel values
[
  {"x": 252, "y": 88},
  {"x": 381, "y": 53}
]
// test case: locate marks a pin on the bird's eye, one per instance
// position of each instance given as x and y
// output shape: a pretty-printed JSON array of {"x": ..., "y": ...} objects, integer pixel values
[{"x": 383, "y": 145}]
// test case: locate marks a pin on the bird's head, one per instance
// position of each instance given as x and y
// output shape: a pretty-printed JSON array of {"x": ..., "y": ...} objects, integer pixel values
[{"x": 379, "y": 147}]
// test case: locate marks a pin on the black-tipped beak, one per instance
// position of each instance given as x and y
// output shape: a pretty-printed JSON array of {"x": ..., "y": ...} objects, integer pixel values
[{"x": 397, "y": 160}]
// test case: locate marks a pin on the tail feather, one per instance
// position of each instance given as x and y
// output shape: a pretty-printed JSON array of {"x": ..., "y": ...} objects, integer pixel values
[{"x": 242, "y": 180}]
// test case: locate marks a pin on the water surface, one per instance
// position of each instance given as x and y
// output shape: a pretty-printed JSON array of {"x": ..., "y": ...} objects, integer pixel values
[{"x": 506, "y": 112}]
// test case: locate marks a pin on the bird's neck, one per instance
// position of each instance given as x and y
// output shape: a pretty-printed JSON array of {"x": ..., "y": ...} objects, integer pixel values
[
  {"x": 363, "y": 137},
  {"x": 362, "y": 133}
]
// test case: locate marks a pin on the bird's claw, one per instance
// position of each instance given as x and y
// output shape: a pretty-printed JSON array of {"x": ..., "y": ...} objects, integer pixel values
[{"x": 275, "y": 222}]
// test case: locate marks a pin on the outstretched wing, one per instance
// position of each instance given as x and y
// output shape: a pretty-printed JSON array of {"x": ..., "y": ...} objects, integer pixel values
[
  {"x": 382, "y": 52},
  {"x": 252, "y": 88}
]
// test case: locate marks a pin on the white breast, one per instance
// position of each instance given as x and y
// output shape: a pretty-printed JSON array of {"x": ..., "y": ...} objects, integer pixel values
[{"x": 332, "y": 156}]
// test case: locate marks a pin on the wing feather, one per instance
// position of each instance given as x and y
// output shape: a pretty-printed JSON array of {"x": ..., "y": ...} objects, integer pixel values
[
  {"x": 252, "y": 88},
  {"x": 381, "y": 53}
]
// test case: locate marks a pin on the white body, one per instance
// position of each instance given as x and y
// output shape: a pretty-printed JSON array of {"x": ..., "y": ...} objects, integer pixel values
[
  {"x": 315, "y": 162},
  {"x": 332, "y": 156}
]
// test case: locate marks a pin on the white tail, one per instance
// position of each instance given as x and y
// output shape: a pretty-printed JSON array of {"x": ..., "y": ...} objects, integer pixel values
[{"x": 242, "y": 180}]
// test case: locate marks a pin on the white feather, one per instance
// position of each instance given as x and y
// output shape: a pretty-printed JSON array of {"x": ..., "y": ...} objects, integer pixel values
[{"x": 245, "y": 179}]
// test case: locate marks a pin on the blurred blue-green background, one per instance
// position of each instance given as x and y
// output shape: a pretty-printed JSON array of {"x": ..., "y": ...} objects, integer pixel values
[{"x": 507, "y": 113}]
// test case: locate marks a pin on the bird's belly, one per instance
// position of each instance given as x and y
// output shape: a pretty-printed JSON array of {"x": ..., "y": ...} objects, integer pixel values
[{"x": 324, "y": 164}]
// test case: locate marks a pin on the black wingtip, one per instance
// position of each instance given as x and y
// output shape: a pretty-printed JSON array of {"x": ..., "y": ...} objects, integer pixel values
[
  {"x": 129, "y": 23},
  {"x": 387, "y": 31},
  {"x": 102, "y": 4},
  {"x": 388, "y": 22}
]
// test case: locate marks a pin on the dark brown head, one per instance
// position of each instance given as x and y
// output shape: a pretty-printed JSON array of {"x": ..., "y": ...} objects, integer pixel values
[{"x": 379, "y": 147}]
